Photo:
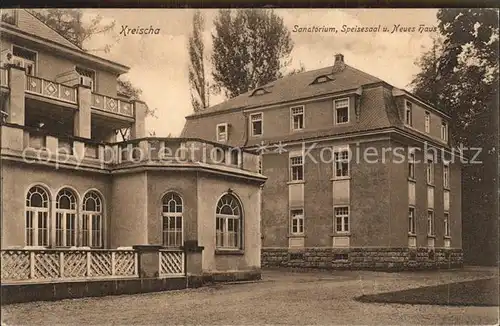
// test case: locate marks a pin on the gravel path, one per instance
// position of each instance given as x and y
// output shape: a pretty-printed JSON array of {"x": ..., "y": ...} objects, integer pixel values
[{"x": 281, "y": 298}]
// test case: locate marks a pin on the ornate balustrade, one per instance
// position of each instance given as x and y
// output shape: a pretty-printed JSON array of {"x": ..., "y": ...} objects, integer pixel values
[
  {"x": 66, "y": 264},
  {"x": 47, "y": 88},
  {"x": 110, "y": 104},
  {"x": 4, "y": 77},
  {"x": 171, "y": 263}
]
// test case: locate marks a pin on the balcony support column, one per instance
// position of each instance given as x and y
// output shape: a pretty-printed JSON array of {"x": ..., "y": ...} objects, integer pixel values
[
  {"x": 16, "y": 104},
  {"x": 138, "y": 129},
  {"x": 82, "y": 120}
]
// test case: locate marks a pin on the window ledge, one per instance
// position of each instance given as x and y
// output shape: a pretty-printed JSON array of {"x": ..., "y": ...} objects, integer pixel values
[
  {"x": 412, "y": 179},
  {"x": 432, "y": 236},
  {"x": 446, "y": 188},
  {"x": 295, "y": 182},
  {"x": 339, "y": 235},
  {"x": 340, "y": 178},
  {"x": 414, "y": 235},
  {"x": 447, "y": 237},
  {"x": 296, "y": 236},
  {"x": 430, "y": 185},
  {"x": 298, "y": 130},
  {"x": 234, "y": 252}
]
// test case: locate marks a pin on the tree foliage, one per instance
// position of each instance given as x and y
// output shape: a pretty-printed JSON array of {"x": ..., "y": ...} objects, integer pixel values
[
  {"x": 197, "y": 81},
  {"x": 70, "y": 24},
  {"x": 460, "y": 75},
  {"x": 250, "y": 48}
]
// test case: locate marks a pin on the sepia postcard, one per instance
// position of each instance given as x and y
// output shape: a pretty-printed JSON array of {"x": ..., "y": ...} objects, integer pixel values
[{"x": 249, "y": 166}]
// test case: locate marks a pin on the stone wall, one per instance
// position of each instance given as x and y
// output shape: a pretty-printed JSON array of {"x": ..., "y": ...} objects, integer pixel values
[{"x": 390, "y": 259}]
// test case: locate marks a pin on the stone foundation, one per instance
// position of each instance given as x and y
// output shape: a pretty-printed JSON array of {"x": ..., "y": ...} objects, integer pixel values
[{"x": 386, "y": 259}]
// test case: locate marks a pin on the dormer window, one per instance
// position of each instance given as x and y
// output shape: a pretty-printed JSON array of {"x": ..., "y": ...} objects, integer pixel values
[
  {"x": 322, "y": 79},
  {"x": 9, "y": 16},
  {"x": 222, "y": 132},
  {"x": 408, "y": 114},
  {"x": 341, "y": 111},
  {"x": 24, "y": 58},
  {"x": 259, "y": 91},
  {"x": 87, "y": 77}
]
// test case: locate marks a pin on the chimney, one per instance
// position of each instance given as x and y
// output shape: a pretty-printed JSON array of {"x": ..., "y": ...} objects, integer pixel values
[{"x": 339, "y": 58}]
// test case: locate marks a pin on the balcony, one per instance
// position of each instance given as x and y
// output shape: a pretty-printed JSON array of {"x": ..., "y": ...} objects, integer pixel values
[
  {"x": 32, "y": 145},
  {"x": 113, "y": 105},
  {"x": 50, "y": 89}
]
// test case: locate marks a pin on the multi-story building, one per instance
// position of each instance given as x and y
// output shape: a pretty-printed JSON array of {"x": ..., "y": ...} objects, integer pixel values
[
  {"x": 361, "y": 174},
  {"x": 71, "y": 194}
]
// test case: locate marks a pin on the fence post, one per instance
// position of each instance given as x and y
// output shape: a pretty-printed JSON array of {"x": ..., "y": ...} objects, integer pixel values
[
  {"x": 89, "y": 261},
  {"x": 113, "y": 263},
  {"x": 148, "y": 260},
  {"x": 32, "y": 264},
  {"x": 61, "y": 264}
]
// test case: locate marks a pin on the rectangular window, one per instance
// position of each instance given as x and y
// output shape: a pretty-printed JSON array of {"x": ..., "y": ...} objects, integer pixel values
[
  {"x": 297, "y": 221},
  {"x": 430, "y": 171},
  {"x": 411, "y": 220},
  {"x": 87, "y": 77},
  {"x": 341, "y": 111},
  {"x": 296, "y": 168},
  {"x": 341, "y": 163},
  {"x": 24, "y": 58},
  {"x": 297, "y": 116},
  {"x": 408, "y": 113},
  {"x": 446, "y": 176},
  {"x": 411, "y": 165},
  {"x": 92, "y": 230},
  {"x": 227, "y": 232},
  {"x": 430, "y": 222},
  {"x": 256, "y": 124},
  {"x": 427, "y": 122},
  {"x": 446, "y": 224},
  {"x": 342, "y": 219},
  {"x": 222, "y": 132},
  {"x": 444, "y": 131},
  {"x": 172, "y": 230},
  {"x": 37, "y": 231}
]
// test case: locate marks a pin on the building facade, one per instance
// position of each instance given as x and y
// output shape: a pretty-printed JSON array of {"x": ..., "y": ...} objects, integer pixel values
[
  {"x": 361, "y": 174},
  {"x": 68, "y": 184}
]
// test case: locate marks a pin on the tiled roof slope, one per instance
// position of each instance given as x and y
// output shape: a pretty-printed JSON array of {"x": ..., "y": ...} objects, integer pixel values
[
  {"x": 299, "y": 86},
  {"x": 28, "y": 23}
]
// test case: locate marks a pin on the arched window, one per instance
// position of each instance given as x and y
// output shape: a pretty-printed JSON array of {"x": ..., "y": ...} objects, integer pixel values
[
  {"x": 66, "y": 218},
  {"x": 228, "y": 223},
  {"x": 172, "y": 220},
  {"x": 92, "y": 220},
  {"x": 37, "y": 217}
]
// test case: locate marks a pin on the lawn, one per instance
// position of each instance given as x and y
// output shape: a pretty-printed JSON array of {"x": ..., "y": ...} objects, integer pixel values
[{"x": 471, "y": 293}]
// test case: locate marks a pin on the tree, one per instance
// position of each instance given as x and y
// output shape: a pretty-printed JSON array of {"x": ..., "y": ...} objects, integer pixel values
[
  {"x": 460, "y": 75},
  {"x": 197, "y": 80},
  {"x": 250, "y": 48}
]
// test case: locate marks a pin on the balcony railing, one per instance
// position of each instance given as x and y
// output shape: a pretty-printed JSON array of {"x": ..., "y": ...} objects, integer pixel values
[
  {"x": 45, "y": 265},
  {"x": 4, "y": 77},
  {"x": 67, "y": 264},
  {"x": 30, "y": 143},
  {"x": 110, "y": 104},
  {"x": 47, "y": 88}
]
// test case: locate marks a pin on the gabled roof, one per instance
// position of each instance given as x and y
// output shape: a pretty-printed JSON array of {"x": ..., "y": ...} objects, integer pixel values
[
  {"x": 28, "y": 23},
  {"x": 30, "y": 28},
  {"x": 343, "y": 77}
]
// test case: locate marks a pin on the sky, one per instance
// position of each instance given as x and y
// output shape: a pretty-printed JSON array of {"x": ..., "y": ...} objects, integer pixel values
[{"x": 159, "y": 62}]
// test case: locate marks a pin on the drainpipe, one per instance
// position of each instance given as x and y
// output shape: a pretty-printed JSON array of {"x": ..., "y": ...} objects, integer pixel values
[{"x": 3, "y": 119}]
